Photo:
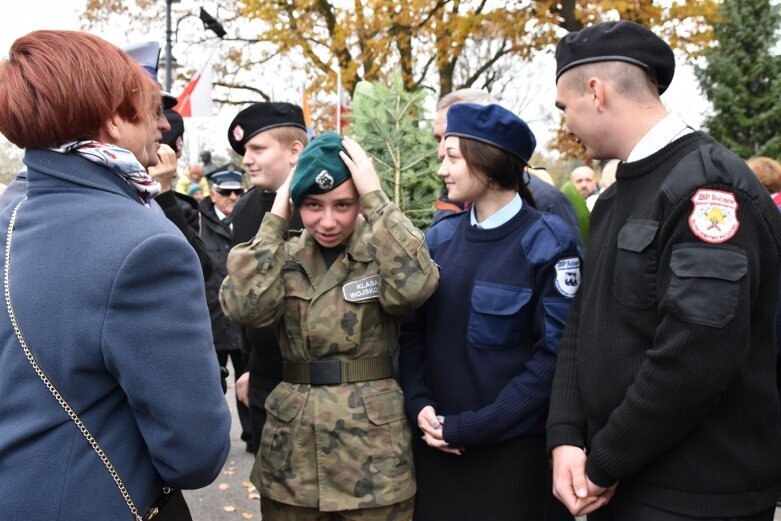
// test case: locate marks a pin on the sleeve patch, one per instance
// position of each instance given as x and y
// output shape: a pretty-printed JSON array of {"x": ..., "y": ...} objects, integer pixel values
[
  {"x": 714, "y": 217},
  {"x": 568, "y": 276}
]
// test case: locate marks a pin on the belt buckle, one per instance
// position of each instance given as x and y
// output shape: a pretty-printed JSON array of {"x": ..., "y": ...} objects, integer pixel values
[{"x": 325, "y": 372}]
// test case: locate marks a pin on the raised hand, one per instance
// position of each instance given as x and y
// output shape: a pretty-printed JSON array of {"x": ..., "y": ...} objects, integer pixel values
[
  {"x": 165, "y": 169},
  {"x": 361, "y": 167},
  {"x": 282, "y": 205}
]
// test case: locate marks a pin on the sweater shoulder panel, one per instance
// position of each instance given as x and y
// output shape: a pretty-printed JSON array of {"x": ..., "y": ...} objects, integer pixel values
[
  {"x": 443, "y": 230},
  {"x": 548, "y": 238},
  {"x": 711, "y": 164}
]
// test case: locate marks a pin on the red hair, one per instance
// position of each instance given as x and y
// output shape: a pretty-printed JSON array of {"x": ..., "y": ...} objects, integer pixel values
[{"x": 60, "y": 86}]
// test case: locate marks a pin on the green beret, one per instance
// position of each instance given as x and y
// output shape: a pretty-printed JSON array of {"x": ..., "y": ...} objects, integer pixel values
[{"x": 319, "y": 168}]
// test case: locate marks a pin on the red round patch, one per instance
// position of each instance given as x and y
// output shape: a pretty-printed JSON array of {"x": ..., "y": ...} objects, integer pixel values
[{"x": 238, "y": 133}]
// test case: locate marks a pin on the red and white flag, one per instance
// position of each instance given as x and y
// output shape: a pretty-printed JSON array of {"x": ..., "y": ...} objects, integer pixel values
[{"x": 196, "y": 100}]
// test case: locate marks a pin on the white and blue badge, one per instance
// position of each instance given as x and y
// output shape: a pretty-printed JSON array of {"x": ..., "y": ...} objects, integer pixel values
[
  {"x": 362, "y": 289},
  {"x": 568, "y": 276}
]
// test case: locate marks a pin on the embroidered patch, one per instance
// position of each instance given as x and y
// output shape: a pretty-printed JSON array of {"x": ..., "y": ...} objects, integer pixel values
[
  {"x": 324, "y": 180},
  {"x": 362, "y": 289},
  {"x": 568, "y": 276},
  {"x": 238, "y": 133},
  {"x": 714, "y": 217}
]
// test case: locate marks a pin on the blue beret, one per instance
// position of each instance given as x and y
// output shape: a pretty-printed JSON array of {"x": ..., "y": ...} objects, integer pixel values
[
  {"x": 493, "y": 125},
  {"x": 319, "y": 168},
  {"x": 623, "y": 41},
  {"x": 262, "y": 116}
]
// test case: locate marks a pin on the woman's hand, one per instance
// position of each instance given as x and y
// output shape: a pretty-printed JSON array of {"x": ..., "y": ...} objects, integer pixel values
[
  {"x": 282, "y": 205},
  {"x": 360, "y": 166},
  {"x": 432, "y": 427}
]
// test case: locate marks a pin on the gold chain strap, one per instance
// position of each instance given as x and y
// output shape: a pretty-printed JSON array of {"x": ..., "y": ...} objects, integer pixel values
[{"x": 49, "y": 385}]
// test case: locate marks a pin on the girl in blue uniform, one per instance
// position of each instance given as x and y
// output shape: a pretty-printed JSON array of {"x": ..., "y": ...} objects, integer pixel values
[{"x": 478, "y": 359}]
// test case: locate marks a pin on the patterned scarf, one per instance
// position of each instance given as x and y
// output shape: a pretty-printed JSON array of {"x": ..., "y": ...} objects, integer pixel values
[{"x": 120, "y": 161}]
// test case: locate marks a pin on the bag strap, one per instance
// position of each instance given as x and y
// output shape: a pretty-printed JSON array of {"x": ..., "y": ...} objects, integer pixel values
[{"x": 48, "y": 383}]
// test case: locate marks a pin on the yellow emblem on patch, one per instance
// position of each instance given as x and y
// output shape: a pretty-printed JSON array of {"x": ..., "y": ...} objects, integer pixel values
[{"x": 714, "y": 217}]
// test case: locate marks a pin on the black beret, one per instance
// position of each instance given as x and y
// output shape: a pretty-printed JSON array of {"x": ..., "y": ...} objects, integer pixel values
[
  {"x": 173, "y": 138},
  {"x": 494, "y": 125},
  {"x": 262, "y": 116},
  {"x": 319, "y": 168},
  {"x": 623, "y": 41},
  {"x": 169, "y": 101}
]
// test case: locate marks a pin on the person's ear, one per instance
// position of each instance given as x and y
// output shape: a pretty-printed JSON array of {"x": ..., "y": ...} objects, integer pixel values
[
  {"x": 111, "y": 130},
  {"x": 596, "y": 91},
  {"x": 295, "y": 150}
]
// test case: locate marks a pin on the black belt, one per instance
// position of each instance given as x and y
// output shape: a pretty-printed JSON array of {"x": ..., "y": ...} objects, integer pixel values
[{"x": 333, "y": 372}]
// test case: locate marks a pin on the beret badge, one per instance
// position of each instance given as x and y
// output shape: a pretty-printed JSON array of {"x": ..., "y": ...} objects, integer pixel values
[
  {"x": 238, "y": 133},
  {"x": 324, "y": 180}
]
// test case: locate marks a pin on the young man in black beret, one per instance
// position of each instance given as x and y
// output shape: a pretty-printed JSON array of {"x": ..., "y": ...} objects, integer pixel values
[
  {"x": 270, "y": 137},
  {"x": 664, "y": 402}
]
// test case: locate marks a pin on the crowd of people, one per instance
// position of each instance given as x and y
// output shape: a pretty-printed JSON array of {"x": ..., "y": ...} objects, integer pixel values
[{"x": 605, "y": 350}]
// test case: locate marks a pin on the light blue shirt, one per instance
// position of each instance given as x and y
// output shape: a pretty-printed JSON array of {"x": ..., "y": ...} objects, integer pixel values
[{"x": 501, "y": 216}]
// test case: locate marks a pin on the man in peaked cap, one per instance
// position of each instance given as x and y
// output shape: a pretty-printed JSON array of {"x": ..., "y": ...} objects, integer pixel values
[
  {"x": 270, "y": 137},
  {"x": 664, "y": 403},
  {"x": 227, "y": 186}
]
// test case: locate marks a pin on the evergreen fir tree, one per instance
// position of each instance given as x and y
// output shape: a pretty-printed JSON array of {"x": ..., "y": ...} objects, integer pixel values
[
  {"x": 388, "y": 123},
  {"x": 742, "y": 80}
]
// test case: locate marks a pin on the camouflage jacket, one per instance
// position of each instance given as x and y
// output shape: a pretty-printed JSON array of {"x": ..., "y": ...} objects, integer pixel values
[{"x": 335, "y": 447}]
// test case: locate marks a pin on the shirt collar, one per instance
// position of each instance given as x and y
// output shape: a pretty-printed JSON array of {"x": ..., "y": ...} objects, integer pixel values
[
  {"x": 221, "y": 216},
  {"x": 501, "y": 216},
  {"x": 663, "y": 133}
]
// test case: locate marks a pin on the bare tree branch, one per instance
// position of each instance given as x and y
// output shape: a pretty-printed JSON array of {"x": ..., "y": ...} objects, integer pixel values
[{"x": 242, "y": 87}]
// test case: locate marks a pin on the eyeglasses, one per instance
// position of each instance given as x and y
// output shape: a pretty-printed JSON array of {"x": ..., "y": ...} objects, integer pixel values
[{"x": 228, "y": 191}]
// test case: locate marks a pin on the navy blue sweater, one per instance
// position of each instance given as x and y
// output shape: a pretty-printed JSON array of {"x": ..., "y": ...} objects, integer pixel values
[{"x": 482, "y": 350}]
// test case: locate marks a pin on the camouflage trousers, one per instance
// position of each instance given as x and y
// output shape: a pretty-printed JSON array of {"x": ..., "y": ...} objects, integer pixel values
[{"x": 276, "y": 511}]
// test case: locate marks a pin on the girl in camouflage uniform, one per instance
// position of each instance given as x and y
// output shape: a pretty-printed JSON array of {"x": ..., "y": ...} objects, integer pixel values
[{"x": 336, "y": 444}]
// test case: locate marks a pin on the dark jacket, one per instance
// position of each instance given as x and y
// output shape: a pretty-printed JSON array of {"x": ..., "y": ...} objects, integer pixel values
[
  {"x": 265, "y": 361},
  {"x": 218, "y": 240},
  {"x": 184, "y": 214}
]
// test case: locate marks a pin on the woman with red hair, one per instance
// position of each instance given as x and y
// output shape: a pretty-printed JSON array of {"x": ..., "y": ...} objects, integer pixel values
[{"x": 94, "y": 280}]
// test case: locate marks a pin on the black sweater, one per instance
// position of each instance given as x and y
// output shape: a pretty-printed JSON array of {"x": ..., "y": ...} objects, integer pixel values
[{"x": 667, "y": 367}]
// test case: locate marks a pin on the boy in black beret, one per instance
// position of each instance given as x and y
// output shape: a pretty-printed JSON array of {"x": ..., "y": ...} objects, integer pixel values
[
  {"x": 269, "y": 136},
  {"x": 664, "y": 403}
]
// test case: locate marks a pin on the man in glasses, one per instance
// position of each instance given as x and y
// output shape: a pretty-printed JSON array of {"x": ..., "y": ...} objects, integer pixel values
[{"x": 217, "y": 233}]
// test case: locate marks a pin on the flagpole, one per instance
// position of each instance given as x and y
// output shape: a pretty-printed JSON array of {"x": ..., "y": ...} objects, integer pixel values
[{"x": 338, "y": 98}]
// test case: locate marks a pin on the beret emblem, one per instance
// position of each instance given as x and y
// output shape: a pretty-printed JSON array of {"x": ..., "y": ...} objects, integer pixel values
[
  {"x": 238, "y": 133},
  {"x": 324, "y": 180}
]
